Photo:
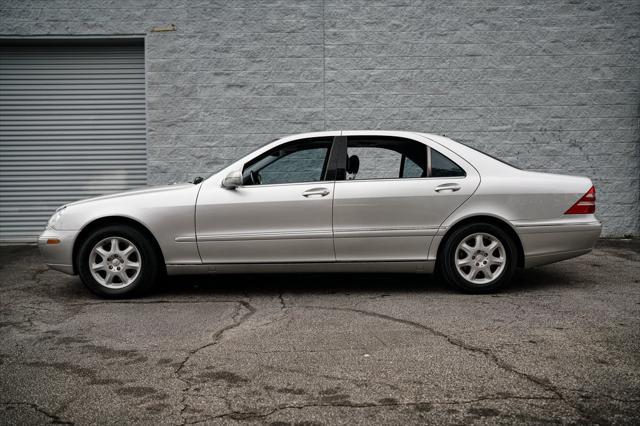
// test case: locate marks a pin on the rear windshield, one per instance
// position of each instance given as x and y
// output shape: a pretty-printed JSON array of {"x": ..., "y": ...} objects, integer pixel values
[{"x": 491, "y": 156}]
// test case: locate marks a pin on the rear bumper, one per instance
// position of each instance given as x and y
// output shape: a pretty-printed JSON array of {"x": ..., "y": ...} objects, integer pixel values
[
  {"x": 58, "y": 256},
  {"x": 545, "y": 243}
]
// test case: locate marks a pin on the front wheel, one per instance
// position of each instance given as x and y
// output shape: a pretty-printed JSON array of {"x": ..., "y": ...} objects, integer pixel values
[
  {"x": 117, "y": 261},
  {"x": 478, "y": 258}
]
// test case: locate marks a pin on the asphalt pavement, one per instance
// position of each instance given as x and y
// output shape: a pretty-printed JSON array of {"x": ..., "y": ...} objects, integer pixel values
[{"x": 561, "y": 345}]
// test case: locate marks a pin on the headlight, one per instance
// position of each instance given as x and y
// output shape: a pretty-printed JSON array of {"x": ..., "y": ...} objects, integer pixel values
[{"x": 56, "y": 216}]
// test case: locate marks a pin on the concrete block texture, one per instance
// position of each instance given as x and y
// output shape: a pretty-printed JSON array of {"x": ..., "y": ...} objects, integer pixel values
[{"x": 549, "y": 85}]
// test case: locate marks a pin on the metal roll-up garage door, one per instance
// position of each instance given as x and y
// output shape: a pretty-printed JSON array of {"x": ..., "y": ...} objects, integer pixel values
[{"x": 72, "y": 126}]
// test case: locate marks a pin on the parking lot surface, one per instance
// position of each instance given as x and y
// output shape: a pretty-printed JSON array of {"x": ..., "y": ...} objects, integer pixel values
[{"x": 562, "y": 344}]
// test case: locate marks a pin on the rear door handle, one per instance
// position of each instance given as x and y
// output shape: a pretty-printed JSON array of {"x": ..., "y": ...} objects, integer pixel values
[
  {"x": 453, "y": 187},
  {"x": 322, "y": 192}
]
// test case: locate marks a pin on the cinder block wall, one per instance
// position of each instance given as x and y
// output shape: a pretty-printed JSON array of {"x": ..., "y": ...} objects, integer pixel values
[{"x": 550, "y": 85}]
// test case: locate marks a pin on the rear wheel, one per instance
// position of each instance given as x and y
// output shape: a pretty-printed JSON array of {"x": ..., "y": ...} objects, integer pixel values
[
  {"x": 478, "y": 258},
  {"x": 117, "y": 261}
]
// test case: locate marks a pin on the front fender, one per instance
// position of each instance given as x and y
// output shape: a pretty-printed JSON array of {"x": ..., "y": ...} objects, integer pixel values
[{"x": 168, "y": 214}]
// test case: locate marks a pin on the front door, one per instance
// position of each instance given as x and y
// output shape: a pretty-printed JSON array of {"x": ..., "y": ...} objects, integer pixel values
[
  {"x": 396, "y": 194},
  {"x": 281, "y": 213}
]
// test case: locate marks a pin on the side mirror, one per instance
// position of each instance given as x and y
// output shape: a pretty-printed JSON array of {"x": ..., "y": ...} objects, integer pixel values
[{"x": 232, "y": 180}]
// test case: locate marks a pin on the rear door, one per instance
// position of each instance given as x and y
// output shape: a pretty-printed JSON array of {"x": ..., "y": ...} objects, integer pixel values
[{"x": 395, "y": 195}]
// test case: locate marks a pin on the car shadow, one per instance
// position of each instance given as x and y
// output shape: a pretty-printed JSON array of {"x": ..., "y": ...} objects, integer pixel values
[
  {"x": 540, "y": 278},
  {"x": 524, "y": 281},
  {"x": 325, "y": 283},
  {"x": 61, "y": 287},
  {"x": 537, "y": 280}
]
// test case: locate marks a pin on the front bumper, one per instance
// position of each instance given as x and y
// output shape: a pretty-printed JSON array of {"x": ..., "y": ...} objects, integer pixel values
[
  {"x": 545, "y": 243},
  {"x": 58, "y": 256}
]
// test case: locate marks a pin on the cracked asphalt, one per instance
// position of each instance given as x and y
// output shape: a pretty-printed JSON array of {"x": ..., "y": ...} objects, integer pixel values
[{"x": 561, "y": 345}]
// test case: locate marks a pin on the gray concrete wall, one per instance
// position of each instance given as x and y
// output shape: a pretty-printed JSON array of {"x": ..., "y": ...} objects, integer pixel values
[{"x": 550, "y": 85}]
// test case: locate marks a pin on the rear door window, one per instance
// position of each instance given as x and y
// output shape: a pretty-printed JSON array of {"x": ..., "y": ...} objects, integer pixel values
[
  {"x": 385, "y": 158},
  {"x": 442, "y": 166},
  {"x": 379, "y": 157}
]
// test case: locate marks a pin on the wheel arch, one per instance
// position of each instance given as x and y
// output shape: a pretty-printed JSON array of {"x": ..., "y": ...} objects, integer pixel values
[
  {"x": 114, "y": 220},
  {"x": 493, "y": 220}
]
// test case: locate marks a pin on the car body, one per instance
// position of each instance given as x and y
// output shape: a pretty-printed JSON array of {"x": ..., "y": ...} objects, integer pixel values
[{"x": 298, "y": 218}]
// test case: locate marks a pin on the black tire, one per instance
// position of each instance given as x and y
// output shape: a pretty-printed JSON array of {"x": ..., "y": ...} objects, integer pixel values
[
  {"x": 150, "y": 268},
  {"x": 449, "y": 257}
]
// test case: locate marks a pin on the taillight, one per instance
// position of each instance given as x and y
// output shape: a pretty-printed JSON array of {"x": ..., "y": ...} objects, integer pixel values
[{"x": 586, "y": 204}]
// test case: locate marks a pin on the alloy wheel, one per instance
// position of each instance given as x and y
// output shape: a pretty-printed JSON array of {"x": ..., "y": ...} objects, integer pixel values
[
  {"x": 115, "y": 262},
  {"x": 480, "y": 258}
]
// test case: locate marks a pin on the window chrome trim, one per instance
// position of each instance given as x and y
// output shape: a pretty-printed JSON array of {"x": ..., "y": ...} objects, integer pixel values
[
  {"x": 269, "y": 185},
  {"x": 400, "y": 179}
]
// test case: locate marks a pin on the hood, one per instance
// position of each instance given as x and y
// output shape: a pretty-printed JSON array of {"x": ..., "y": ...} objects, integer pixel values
[{"x": 133, "y": 193}]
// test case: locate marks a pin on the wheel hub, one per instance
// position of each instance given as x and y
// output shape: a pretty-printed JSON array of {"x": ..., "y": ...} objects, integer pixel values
[{"x": 480, "y": 258}]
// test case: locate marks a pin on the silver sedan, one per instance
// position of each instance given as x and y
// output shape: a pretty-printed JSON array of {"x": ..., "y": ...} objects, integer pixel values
[{"x": 342, "y": 201}]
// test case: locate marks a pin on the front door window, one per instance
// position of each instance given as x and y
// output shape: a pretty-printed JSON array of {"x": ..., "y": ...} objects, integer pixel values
[{"x": 298, "y": 162}]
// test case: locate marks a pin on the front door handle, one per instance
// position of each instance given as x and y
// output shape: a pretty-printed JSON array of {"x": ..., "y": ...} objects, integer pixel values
[
  {"x": 453, "y": 187},
  {"x": 322, "y": 192}
]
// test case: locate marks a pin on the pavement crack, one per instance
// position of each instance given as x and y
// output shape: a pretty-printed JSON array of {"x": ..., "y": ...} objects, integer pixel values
[
  {"x": 545, "y": 384},
  {"x": 601, "y": 395},
  {"x": 238, "y": 319},
  {"x": 308, "y": 373},
  {"x": 35, "y": 275},
  {"x": 249, "y": 415},
  {"x": 54, "y": 418},
  {"x": 283, "y": 304},
  {"x": 34, "y": 279}
]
